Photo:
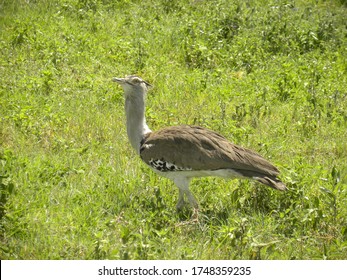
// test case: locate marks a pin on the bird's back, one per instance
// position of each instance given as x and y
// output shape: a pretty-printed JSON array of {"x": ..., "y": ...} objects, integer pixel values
[{"x": 197, "y": 148}]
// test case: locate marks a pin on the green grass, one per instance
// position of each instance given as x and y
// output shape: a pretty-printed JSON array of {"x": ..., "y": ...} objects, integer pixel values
[{"x": 269, "y": 75}]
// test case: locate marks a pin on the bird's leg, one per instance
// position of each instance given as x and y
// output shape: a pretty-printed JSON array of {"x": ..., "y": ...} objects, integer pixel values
[
  {"x": 192, "y": 200},
  {"x": 194, "y": 203},
  {"x": 183, "y": 185},
  {"x": 180, "y": 204}
]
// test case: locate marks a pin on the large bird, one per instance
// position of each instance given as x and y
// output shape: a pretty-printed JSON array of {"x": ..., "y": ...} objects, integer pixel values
[{"x": 183, "y": 152}]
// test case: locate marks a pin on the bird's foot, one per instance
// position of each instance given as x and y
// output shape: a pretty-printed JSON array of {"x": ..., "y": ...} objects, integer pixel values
[
  {"x": 195, "y": 215},
  {"x": 192, "y": 221}
]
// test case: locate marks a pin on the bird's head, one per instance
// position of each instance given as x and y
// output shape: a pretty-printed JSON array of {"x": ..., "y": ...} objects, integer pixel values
[{"x": 132, "y": 85}]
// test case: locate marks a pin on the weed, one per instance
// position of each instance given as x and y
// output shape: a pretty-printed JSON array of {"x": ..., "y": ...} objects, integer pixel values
[{"x": 269, "y": 75}]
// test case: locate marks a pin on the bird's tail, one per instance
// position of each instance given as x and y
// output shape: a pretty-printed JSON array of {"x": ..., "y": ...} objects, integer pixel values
[
  {"x": 272, "y": 182},
  {"x": 267, "y": 179}
]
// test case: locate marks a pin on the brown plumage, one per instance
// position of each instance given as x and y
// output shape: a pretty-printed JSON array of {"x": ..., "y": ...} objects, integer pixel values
[{"x": 199, "y": 149}]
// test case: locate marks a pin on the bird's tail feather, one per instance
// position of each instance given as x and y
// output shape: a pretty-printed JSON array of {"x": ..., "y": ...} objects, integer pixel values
[
  {"x": 266, "y": 179},
  {"x": 272, "y": 182}
]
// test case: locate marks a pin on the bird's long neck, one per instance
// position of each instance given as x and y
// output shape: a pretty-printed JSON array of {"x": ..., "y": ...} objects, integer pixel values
[{"x": 136, "y": 120}]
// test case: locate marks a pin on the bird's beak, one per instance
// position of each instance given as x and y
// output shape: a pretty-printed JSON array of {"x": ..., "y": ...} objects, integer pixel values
[
  {"x": 118, "y": 80},
  {"x": 147, "y": 84},
  {"x": 122, "y": 81}
]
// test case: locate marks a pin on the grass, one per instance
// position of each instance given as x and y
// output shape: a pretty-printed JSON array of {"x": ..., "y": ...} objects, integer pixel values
[{"x": 269, "y": 75}]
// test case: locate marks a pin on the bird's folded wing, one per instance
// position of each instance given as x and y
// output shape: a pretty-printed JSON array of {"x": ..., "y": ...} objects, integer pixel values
[{"x": 197, "y": 148}]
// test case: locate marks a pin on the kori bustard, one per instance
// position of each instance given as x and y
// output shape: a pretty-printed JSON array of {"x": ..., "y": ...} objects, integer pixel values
[{"x": 183, "y": 152}]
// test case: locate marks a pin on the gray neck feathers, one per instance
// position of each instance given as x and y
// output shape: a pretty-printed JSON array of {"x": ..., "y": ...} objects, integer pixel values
[{"x": 135, "y": 119}]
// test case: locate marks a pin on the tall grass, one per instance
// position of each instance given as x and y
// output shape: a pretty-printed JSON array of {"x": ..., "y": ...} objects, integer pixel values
[{"x": 269, "y": 75}]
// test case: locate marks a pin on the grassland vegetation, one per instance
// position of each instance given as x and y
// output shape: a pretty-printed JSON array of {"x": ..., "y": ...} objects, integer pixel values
[{"x": 268, "y": 75}]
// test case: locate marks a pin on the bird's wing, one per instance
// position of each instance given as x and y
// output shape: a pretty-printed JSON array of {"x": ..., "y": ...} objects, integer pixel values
[{"x": 197, "y": 148}]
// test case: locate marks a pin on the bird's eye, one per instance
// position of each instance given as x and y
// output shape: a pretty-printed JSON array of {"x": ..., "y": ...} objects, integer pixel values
[{"x": 136, "y": 81}]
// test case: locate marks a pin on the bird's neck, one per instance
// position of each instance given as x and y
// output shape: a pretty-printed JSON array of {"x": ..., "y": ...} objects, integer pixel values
[{"x": 136, "y": 121}]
